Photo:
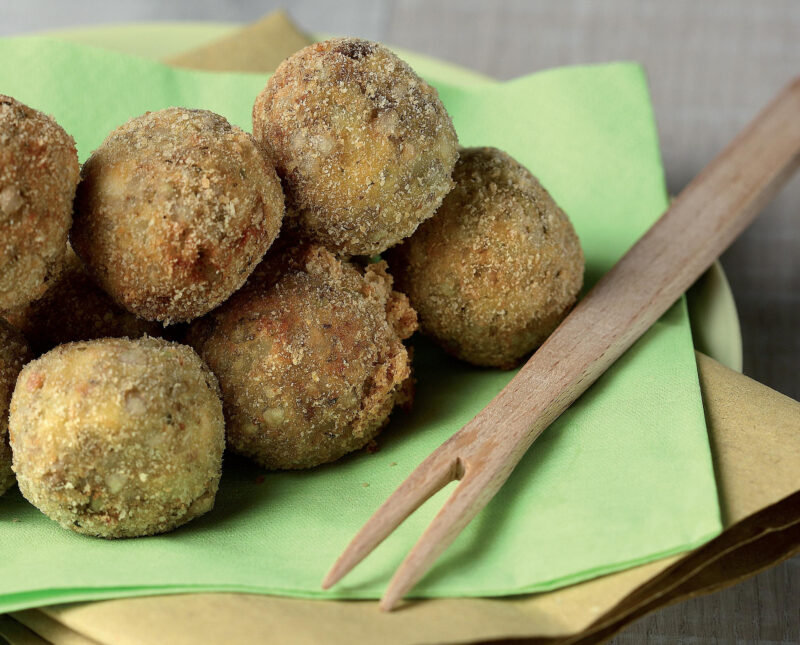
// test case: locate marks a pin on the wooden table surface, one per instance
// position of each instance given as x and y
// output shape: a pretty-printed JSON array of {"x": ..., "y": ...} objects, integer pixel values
[{"x": 711, "y": 65}]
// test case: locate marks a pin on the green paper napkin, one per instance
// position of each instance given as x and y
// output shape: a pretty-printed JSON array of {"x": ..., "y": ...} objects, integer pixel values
[{"x": 623, "y": 477}]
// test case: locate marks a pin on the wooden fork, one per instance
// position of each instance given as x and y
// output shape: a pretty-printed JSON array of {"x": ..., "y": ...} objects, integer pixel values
[{"x": 700, "y": 224}]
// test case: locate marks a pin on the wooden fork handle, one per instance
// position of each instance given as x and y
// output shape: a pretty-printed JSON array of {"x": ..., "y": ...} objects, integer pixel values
[{"x": 699, "y": 225}]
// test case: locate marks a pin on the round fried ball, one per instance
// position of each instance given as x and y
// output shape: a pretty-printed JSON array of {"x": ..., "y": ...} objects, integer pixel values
[
  {"x": 497, "y": 268},
  {"x": 309, "y": 358},
  {"x": 118, "y": 438},
  {"x": 364, "y": 146},
  {"x": 38, "y": 174},
  {"x": 13, "y": 353},
  {"x": 74, "y": 308},
  {"x": 174, "y": 211}
]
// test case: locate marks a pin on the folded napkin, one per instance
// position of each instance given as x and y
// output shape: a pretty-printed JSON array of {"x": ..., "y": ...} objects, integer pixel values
[
  {"x": 758, "y": 489},
  {"x": 624, "y": 477}
]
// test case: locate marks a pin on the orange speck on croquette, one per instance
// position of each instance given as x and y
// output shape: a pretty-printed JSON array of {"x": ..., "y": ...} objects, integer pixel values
[
  {"x": 118, "y": 438},
  {"x": 497, "y": 268},
  {"x": 364, "y": 146},
  {"x": 38, "y": 174},
  {"x": 309, "y": 356},
  {"x": 173, "y": 212}
]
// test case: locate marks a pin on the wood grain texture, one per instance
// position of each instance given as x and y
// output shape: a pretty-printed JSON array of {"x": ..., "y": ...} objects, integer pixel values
[{"x": 711, "y": 66}]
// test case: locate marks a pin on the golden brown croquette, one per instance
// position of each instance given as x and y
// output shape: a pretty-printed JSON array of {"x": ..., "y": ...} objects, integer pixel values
[
  {"x": 174, "y": 211},
  {"x": 364, "y": 146},
  {"x": 498, "y": 266},
  {"x": 310, "y": 358},
  {"x": 118, "y": 438},
  {"x": 74, "y": 308},
  {"x": 13, "y": 354},
  {"x": 38, "y": 175}
]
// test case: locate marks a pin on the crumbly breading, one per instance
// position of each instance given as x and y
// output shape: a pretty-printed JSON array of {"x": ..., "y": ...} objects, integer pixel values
[
  {"x": 74, "y": 308},
  {"x": 118, "y": 438},
  {"x": 364, "y": 146},
  {"x": 13, "y": 354},
  {"x": 173, "y": 212},
  {"x": 310, "y": 358},
  {"x": 38, "y": 174},
  {"x": 497, "y": 268}
]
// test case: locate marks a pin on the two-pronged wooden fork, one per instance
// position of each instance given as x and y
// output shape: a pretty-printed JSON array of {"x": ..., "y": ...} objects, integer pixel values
[{"x": 705, "y": 218}]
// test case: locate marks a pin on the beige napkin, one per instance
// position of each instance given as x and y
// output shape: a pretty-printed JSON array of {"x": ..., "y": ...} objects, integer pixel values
[
  {"x": 755, "y": 440},
  {"x": 259, "y": 47}
]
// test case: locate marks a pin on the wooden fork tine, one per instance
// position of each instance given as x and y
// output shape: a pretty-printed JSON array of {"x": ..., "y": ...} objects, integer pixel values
[
  {"x": 439, "y": 469},
  {"x": 473, "y": 493}
]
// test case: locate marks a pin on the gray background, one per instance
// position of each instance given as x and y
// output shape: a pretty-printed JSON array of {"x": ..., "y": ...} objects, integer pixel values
[{"x": 712, "y": 65}]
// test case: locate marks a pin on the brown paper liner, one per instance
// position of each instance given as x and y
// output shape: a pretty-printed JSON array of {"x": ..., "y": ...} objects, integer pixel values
[
  {"x": 259, "y": 47},
  {"x": 755, "y": 441}
]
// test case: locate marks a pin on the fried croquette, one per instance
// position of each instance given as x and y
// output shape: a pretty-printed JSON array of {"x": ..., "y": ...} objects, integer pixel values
[
  {"x": 497, "y": 268},
  {"x": 13, "y": 353},
  {"x": 364, "y": 146},
  {"x": 118, "y": 438},
  {"x": 74, "y": 308},
  {"x": 173, "y": 212},
  {"x": 309, "y": 357},
  {"x": 38, "y": 175}
]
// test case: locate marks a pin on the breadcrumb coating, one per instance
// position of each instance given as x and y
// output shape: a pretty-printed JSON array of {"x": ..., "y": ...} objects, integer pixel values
[
  {"x": 174, "y": 211},
  {"x": 38, "y": 174},
  {"x": 118, "y": 438},
  {"x": 74, "y": 308},
  {"x": 13, "y": 354},
  {"x": 310, "y": 358},
  {"x": 497, "y": 268},
  {"x": 364, "y": 146}
]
